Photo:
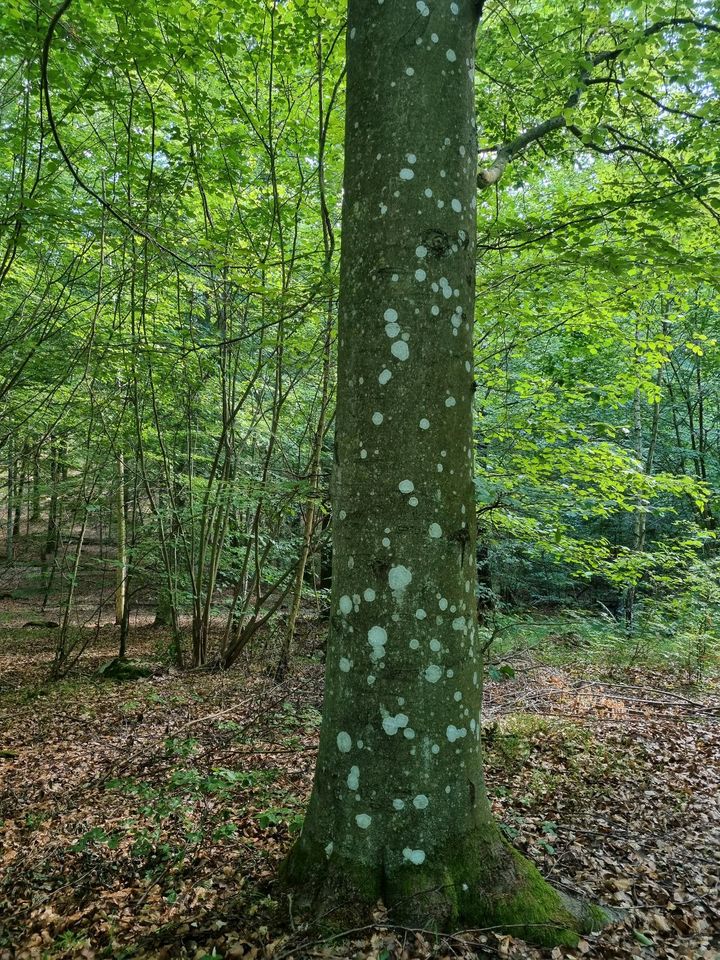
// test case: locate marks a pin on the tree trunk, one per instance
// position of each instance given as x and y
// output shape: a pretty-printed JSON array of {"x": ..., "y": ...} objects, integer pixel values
[
  {"x": 399, "y": 810},
  {"x": 35, "y": 515},
  {"x": 121, "y": 561},
  {"x": 164, "y": 610},
  {"x": 19, "y": 490},
  {"x": 640, "y": 516},
  {"x": 318, "y": 440},
  {"x": 10, "y": 524},
  {"x": 51, "y": 539}
]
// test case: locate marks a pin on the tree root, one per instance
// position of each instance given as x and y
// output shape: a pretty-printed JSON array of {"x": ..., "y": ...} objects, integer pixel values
[{"x": 490, "y": 887}]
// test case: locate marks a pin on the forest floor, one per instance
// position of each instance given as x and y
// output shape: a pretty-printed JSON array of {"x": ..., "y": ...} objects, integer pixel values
[{"x": 148, "y": 818}]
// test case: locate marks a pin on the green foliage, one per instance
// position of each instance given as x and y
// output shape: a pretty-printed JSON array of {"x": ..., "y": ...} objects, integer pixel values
[{"x": 186, "y": 320}]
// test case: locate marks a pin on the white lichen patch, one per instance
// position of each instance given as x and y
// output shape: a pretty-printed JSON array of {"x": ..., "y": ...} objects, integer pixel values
[
  {"x": 406, "y": 486},
  {"x": 344, "y": 742},
  {"x": 346, "y": 605},
  {"x": 453, "y": 733},
  {"x": 345, "y": 664},
  {"x": 400, "y": 350},
  {"x": 377, "y": 638},
  {"x": 391, "y": 724},
  {"x": 369, "y": 595},
  {"x": 353, "y": 778},
  {"x": 414, "y": 856},
  {"x": 363, "y": 820},
  {"x": 433, "y": 673},
  {"x": 435, "y": 531},
  {"x": 398, "y": 804},
  {"x": 399, "y": 578},
  {"x": 377, "y": 418},
  {"x": 420, "y": 802},
  {"x": 406, "y": 173},
  {"x": 424, "y": 424}
]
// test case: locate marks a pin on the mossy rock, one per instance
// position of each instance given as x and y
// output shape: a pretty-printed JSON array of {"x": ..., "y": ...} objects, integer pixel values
[{"x": 121, "y": 670}]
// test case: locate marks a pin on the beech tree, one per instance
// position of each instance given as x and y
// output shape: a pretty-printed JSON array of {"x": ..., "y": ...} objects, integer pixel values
[{"x": 399, "y": 809}]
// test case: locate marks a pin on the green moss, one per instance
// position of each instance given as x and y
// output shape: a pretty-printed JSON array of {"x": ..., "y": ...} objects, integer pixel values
[
  {"x": 344, "y": 891},
  {"x": 598, "y": 917},
  {"x": 122, "y": 670},
  {"x": 534, "y": 910},
  {"x": 425, "y": 895},
  {"x": 481, "y": 882}
]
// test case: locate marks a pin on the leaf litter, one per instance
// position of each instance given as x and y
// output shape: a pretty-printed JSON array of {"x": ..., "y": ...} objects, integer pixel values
[{"x": 148, "y": 819}]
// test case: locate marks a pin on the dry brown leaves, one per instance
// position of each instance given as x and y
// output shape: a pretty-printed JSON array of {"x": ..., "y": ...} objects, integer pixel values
[{"x": 111, "y": 845}]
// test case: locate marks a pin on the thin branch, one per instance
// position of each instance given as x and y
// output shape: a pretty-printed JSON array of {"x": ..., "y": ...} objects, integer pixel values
[
  {"x": 47, "y": 44},
  {"x": 506, "y": 153}
]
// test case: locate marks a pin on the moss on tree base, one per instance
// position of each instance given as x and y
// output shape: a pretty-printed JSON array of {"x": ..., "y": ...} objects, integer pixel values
[{"x": 482, "y": 883}]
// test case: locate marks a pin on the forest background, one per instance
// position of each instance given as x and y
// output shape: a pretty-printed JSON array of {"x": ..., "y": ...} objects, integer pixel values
[{"x": 170, "y": 190}]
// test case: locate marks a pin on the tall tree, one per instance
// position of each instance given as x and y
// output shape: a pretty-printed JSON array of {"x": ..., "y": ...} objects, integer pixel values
[{"x": 399, "y": 808}]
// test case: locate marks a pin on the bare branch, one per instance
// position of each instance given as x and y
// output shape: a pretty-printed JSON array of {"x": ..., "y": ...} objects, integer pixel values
[{"x": 506, "y": 152}]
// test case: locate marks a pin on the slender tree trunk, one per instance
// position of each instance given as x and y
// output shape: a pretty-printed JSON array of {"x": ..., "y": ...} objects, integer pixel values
[
  {"x": 35, "y": 514},
  {"x": 51, "y": 538},
  {"x": 63, "y": 647},
  {"x": 399, "y": 810},
  {"x": 640, "y": 516},
  {"x": 19, "y": 490},
  {"x": 121, "y": 561},
  {"x": 641, "y": 511},
  {"x": 315, "y": 458},
  {"x": 310, "y": 524},
  {"x": 10, "y": 523}
]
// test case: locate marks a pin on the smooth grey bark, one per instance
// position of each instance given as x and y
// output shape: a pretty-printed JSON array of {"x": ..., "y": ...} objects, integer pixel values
[
  {"x": 399, "y": 809},
  {"x": 121, "y": 569},
  {"x": 10, "y": 523}
]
